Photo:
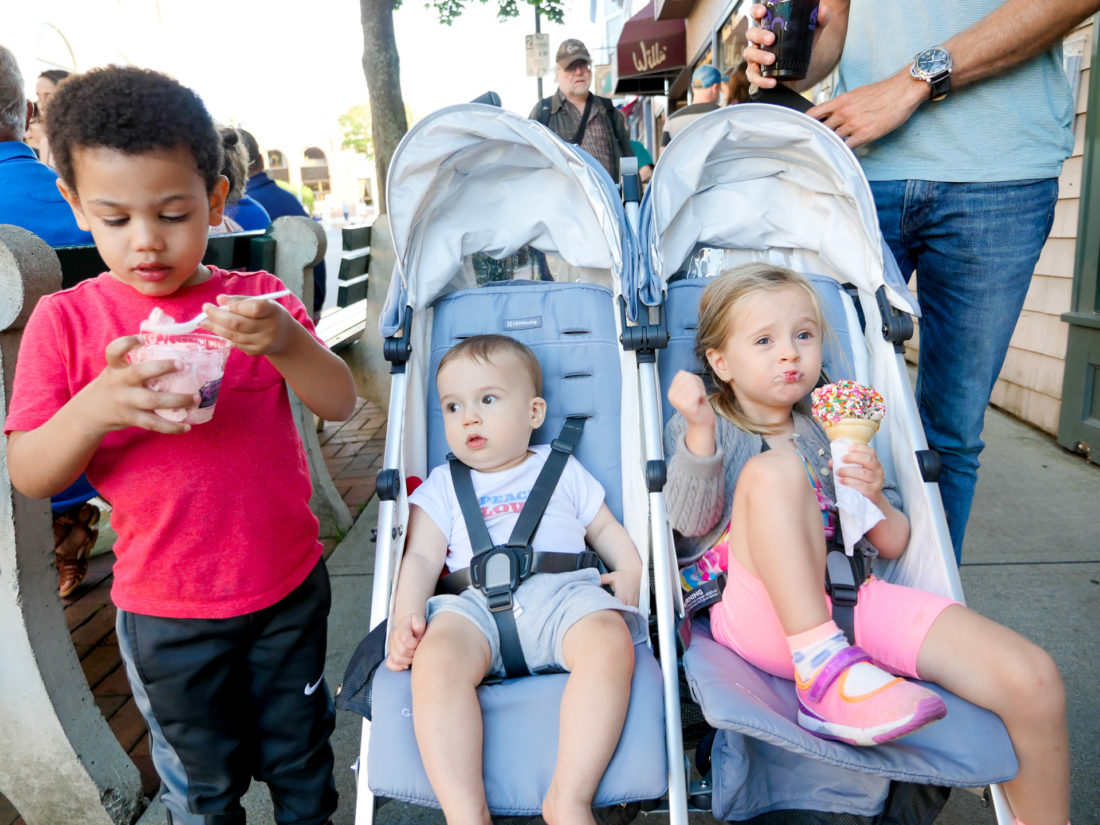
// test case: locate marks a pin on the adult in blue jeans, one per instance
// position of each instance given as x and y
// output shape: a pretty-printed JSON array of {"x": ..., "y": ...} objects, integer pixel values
[{"x": 961, "y": 116}]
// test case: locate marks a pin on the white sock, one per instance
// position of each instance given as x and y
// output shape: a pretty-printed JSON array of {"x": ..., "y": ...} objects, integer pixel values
[{"x": 813, "y": 648}]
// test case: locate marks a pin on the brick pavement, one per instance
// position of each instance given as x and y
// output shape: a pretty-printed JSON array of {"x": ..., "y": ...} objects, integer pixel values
[{"x": 353, "y": 454}]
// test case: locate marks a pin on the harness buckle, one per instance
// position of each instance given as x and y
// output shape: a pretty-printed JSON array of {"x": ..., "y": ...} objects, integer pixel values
[
  {"x": 498, "y": 571},
  {"x": 588, "y": 558}
]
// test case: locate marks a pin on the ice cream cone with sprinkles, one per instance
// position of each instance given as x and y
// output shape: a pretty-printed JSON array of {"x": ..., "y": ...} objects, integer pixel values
[{"x": 848, "y": 410}]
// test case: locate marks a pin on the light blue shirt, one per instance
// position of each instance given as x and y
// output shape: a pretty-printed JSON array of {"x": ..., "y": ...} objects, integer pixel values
[{"x": 1014, "y": 126}]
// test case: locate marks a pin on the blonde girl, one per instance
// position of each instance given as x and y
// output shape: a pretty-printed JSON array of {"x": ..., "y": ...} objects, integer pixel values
[{"x": 750, "y": 482}]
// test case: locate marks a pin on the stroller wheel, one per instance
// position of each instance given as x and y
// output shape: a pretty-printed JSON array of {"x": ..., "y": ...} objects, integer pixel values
[{"x": 622, "y": 814}]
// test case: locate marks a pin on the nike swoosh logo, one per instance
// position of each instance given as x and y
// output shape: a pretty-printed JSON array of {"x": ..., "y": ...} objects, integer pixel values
[{"x": 310, "y": 689}]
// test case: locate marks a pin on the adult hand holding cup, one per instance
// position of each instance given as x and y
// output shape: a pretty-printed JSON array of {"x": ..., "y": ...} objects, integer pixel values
[{"x": 780, "y": 43}]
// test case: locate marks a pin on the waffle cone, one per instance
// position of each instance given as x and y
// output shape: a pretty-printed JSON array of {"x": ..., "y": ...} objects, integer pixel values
[{"x": 857, "y": 429}]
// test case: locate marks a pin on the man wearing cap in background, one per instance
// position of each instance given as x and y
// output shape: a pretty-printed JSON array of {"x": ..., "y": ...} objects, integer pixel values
[
  {"x": 578, "y": 116},
  {"x": 706, "y": 88}
]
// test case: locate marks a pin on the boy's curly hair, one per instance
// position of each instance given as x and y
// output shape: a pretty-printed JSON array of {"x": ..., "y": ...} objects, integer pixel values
[{"x": 133, "y": 111}]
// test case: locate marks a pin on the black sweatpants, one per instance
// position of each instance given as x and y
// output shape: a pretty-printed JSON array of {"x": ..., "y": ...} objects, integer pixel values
[{"x": 228, "y": 700}]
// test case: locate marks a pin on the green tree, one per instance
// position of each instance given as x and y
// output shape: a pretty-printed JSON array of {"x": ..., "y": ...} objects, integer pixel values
[
  {"x": 388, "y": 121},
  {"x": 355, "y": 126},
  {"x": 302, "y": 193}
]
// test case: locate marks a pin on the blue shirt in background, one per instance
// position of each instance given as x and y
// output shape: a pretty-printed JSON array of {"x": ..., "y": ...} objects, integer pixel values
[
  {"x": 29, "y": 197},
  {"x": 248, "y": 213},
  {"x": 278, "y": 202}
]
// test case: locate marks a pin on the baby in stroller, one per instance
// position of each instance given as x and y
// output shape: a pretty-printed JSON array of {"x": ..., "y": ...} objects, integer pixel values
[
  {"x": 489, "y": 388},
  {"x": 760, "y": 335}
]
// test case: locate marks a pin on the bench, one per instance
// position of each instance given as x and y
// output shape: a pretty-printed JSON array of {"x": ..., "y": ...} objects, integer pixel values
[
  {"x": 245, "y": 250},
  {"x": 341, "y": 326}
]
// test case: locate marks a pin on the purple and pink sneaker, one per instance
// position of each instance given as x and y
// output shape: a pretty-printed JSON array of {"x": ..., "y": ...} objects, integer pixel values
[{"x": 852, "y": 700}]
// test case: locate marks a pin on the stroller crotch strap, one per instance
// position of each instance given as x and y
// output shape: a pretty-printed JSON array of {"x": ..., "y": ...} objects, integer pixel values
[{"x": 497, "y": 570}]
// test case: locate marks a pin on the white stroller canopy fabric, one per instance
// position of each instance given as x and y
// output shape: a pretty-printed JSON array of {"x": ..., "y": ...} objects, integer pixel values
[
  {"x": 476, "y": 178},
  {"x": 761, "y": 177}
]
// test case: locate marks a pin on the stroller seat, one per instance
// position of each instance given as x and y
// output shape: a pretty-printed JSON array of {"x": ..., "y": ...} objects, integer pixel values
[
  {"x": 571, "y": 328},
  {"x": 762, "y": 760}
]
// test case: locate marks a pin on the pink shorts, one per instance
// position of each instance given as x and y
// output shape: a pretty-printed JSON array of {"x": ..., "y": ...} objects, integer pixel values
[{"x": 891, "y": 623}]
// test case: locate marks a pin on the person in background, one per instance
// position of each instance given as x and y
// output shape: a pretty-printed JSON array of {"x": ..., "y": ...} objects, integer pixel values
[
  {"x": 645, "y": 161},
  {"x": 44, "y": 88},
  {"x": 29, "y": 198},
  {"x": 277, "y": 202},
  {"x": 739, "y": 85},
  {"x": 578, "y": 116},
  {"x": 242, "y": 213},
  {"x": 28, "y": 187},
  {"x": 968, "y": 210},
  {"x": 36, "y": 132},
  {"x": 706, "y": 88}
]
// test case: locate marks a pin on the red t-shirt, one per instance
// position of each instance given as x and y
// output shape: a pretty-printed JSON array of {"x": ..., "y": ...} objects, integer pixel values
[{"x": 211, "y": 523}]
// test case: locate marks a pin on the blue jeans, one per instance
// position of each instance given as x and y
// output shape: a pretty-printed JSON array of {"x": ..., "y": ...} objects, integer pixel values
[{"x": 974, "y": 248}]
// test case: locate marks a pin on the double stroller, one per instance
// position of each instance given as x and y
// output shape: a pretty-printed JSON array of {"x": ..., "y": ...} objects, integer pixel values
[{"x": 499, "y": 226}]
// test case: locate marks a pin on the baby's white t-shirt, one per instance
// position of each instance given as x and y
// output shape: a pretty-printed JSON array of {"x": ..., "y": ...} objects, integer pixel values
[{"x": 574, "y": 504}]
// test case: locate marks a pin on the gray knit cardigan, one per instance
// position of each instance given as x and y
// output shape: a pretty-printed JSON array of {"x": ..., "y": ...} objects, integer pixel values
[{"x": 699, "y": 491}]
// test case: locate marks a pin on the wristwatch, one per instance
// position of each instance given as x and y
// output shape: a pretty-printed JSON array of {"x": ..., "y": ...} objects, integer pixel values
[{"x": 934, "y": 66}]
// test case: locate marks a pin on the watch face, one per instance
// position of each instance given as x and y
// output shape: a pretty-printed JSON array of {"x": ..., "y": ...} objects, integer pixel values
[{"x": 931, "y": 62}]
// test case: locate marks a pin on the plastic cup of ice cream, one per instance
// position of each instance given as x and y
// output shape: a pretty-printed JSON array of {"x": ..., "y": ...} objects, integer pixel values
[{"x": 203, "y": 357}]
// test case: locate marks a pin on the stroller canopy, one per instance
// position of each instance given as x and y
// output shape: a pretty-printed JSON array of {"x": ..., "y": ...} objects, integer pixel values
[
  {"x": 474, "y": 179},
  {"x": 767, "y": 178}
]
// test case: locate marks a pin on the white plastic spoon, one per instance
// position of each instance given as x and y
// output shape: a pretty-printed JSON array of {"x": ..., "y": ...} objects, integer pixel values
[{"x": 184, "y": 327}]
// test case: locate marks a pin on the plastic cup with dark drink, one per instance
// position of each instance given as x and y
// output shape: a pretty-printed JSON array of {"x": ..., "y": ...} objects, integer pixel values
[{"x": 793, "y": 23}]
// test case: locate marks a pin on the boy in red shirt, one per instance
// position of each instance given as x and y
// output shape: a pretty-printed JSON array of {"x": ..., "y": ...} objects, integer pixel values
[{"x": 221, "y": 592}]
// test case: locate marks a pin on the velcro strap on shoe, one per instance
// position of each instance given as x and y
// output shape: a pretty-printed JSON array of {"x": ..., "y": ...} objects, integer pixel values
[{"x": 831, "y": 670}]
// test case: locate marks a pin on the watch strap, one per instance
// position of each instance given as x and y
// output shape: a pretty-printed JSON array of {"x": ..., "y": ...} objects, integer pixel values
[{"x": 940, "y": 85}]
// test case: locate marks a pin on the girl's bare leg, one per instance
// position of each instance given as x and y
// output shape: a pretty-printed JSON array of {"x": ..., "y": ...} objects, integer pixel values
[
  {"x": 600, "y": 657},
  {"x": 776, "y": 535},
  {"x": 996, "y": 668},
  {"x": 450, "y": 662}
]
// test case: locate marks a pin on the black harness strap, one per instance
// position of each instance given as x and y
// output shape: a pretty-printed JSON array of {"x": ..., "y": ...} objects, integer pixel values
[
  {"x": 498, "y": 570},
  {"x": 533, "y": 509},
  {"x": 843, "y": 576}
]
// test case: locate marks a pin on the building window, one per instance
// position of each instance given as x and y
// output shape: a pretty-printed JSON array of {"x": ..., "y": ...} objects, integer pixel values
[
  {"x": 277, "y": 167},
  {"x": 731, "y": 43},
  {"x": 315, "y": 171}
]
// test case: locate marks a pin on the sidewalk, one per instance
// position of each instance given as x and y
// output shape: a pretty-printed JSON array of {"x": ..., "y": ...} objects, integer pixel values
[{"x": 1032, "y": 562}]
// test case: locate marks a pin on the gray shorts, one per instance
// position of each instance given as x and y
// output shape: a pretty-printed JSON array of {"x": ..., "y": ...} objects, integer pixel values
[{"x": 546, "y": 606}]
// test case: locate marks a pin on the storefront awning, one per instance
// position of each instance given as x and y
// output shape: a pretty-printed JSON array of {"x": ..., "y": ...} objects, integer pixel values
[{"x": 649, "y": 53}]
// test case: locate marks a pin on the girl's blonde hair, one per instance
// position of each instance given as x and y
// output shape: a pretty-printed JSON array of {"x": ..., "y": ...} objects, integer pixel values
[{"x": 720, "y": 299}]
